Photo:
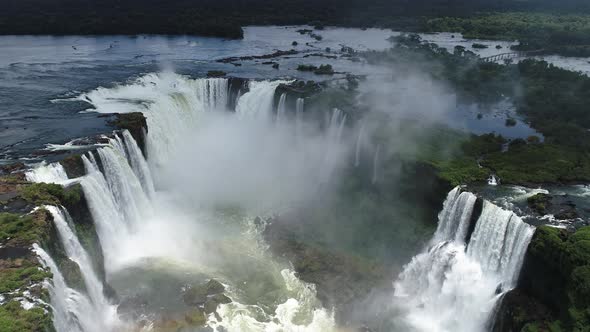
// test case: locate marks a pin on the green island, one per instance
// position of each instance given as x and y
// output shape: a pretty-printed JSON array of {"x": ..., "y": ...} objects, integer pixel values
[{"x": 551, "y": 100}]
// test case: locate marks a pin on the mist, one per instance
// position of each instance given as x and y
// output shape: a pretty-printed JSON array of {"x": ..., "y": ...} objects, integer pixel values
[{"x": 252, "y": 163}]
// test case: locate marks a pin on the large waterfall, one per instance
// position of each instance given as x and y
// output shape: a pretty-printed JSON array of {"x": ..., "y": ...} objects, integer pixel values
[
  {"x": 455, "y": 284},
  {"x": 145, "y": 220},
  {"x": 188, "y": 211},
  {"x": 72, "y": 310},
  {"x": 103, "y": 312}
]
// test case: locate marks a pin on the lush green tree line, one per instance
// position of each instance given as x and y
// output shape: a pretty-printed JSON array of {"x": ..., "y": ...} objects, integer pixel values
[
  {"x": 566, "y": 34},
  {"x": 554, "y": 101},
  {"x": 224, "y": 17}
]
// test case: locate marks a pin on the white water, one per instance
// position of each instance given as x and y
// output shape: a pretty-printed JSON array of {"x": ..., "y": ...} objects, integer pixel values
[
  {"x": 454, "y": 286},
  {"x": 104, "y": 313},
  {"x": 281, "y": 107},
  {"x": 72, "y": 310},
  {"x": 453, "y": 220},
  {"x": 136, "y": 222},
  {"x": 138, "y": 163},
  {"x": 259, "y": 100},
  {"x": 48, "y": 173},
  {"x": 299, "y": 107}
]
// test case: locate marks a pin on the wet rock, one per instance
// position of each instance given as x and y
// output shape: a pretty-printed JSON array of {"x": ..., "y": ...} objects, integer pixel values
[
  {"x": 72, "y": 274},
  {"x": 567, "y": 214},
  {"x": 134, "y": 122},
  {"x": 516, "y": 310},
  {"x": 196, "y": 317},
  {"x": 132, "y": 307},
  {"x": 214, "y": 287},
  {"x": 539, "y": 203},
  {"x": 195, "y": 296},
  {"x": 74, "y": 166},
  {"x": 276, "y": 54},
  {"x": 299, "y": 89},
  {"x": 216, "y": 73},
  {"x": 210, "y": 306},
  {"x": 12, "y": 168},
  {"x": 559, "y": 206}
]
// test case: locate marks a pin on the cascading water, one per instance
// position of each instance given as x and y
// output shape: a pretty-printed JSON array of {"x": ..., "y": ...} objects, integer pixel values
[
  {"x": 299, "y": 107},
  {"x": 102, "y": 310},
  {"x": 137, "y": 221},
  {"x": 50, "y": 173},
  {"x": 455, "y": 217},
  {"x": 258, "y": 101},
  {"x": 72, "y": 310},
  {"x": 281, "y": 107},
  {"x": 454, "y": 286}
]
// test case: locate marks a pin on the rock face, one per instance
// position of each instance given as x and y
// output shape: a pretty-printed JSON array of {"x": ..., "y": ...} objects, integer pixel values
[
  {"x": 206, "y": 298},
  {"x": 517, "y": 310},
  {"x": 135, "y": 123},
  {"x": 74, "y": 166},
  {"x": 559, "y": 206},
  {"x": 554, "y": 287}
]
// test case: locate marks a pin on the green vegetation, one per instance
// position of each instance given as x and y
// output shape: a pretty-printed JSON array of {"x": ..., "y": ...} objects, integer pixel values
[
  {"x": 321, "y": 70},
  {"x": 26, "y": 229},
  {"x": 13, "y": 318},
  {"x": 567, "y": 35},
  {"x": 50, "y": 194},
  {"x": 13, "y": 279},
  {"x": 538, "y": 163},
  {"x": 539, "y": 202},
  {"x": 554, "y": 101},
  {"x": 223, "y": 18},
  {"x": 21, "y": 270},
  {"x": 559, "y": 256}
]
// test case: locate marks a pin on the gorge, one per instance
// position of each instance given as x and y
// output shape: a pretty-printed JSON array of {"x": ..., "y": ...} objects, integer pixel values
[{"x": 146, "y": 197}]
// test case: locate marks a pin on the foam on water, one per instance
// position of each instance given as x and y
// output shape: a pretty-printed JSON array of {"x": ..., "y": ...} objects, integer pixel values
[{"x": 455, "y": 284}]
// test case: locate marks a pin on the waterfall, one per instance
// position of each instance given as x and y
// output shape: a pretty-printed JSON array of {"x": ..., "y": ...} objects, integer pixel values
[
  {"x": 48, "y": 173},
  {"x": 172, "y": 104},
  {"x": 299, "y": 107},
  {"x": 116, "y": 197},
  {"x": 139, "y": 164},
  {"x": 212, "y": 92},
  {"x": 454, "y": 286},
  {"x": 454, "y": 219},
  {"x": 74, "y": 250},
  {"x": 258, "y": 101},
  {"x": 72, "y": 310},
  {"x": 131, "y": 224},
  {"x": 499, "y": 242},
  {"x": 281, "y": 107}
]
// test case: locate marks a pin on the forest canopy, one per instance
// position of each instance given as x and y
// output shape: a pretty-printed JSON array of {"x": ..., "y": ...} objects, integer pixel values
[{"x": 224, "y": 18}]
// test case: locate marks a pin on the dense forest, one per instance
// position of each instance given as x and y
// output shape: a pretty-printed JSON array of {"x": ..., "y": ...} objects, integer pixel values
[
  {"x": 224, "y": 18},
  {"x": 552, "y": 100}
]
